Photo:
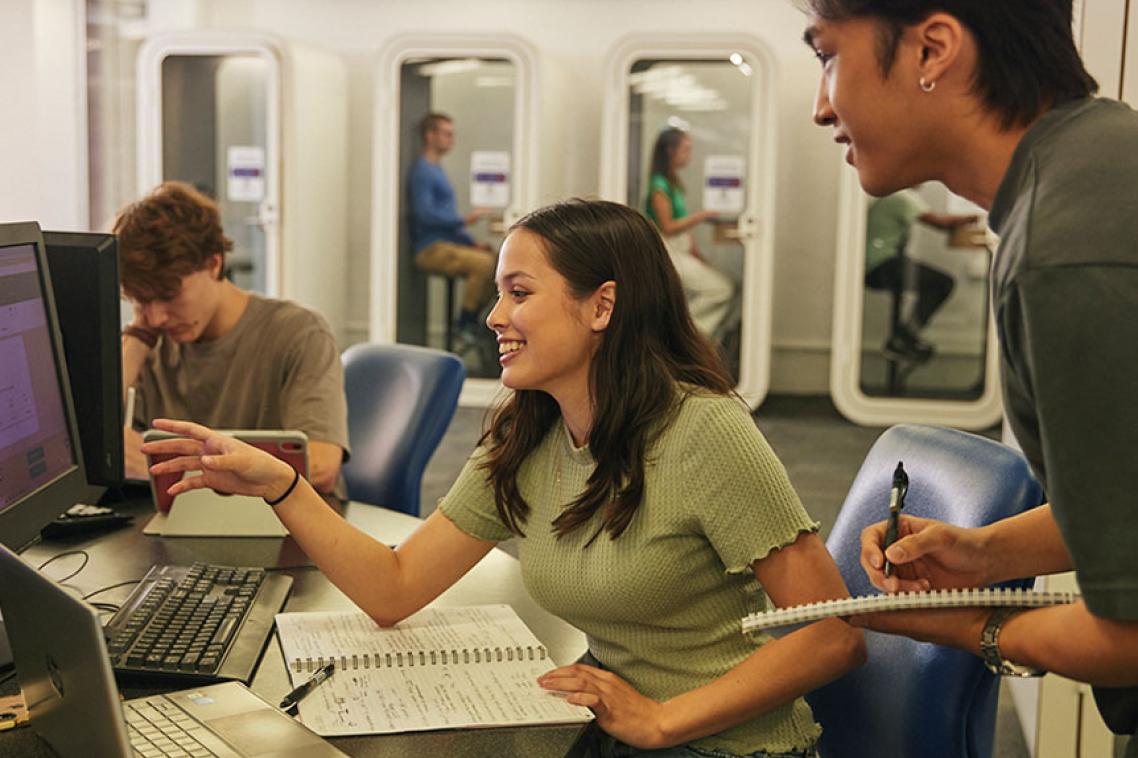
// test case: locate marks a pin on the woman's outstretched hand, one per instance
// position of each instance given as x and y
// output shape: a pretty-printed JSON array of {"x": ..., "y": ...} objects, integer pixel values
[{"x": 226, "y": 464}]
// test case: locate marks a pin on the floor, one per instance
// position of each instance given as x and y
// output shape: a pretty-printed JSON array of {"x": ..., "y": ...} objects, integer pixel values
[{"x": 821, "y": 451}]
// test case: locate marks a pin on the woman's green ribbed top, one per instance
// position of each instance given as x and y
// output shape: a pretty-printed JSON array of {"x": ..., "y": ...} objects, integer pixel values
[{"x": 661, "y": 605}]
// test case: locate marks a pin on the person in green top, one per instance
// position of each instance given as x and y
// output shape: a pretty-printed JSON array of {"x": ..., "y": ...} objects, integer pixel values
[
  {"x": 889, "y": 221},
  {"x": 648, "y": 509},
  {"x": 711, "y": 295}
]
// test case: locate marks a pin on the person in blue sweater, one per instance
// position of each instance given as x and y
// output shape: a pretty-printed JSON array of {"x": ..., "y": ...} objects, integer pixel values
[{"x": 438, "y": 233}]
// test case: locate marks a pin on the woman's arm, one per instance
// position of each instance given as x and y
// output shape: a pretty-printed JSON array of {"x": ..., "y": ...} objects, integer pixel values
[
  {"x": 783, "y": 669},
  {"x": 387, "y": 584},
  {"x": 662, "y": 207},
  {"x": 775, "y": 674}
]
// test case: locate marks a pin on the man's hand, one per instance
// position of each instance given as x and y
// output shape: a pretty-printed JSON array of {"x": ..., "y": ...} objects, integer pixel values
[
  {"x": 134, "y": 461},
  {"x": 927, "y": 555},
  {"x": 476, "y": 214}
]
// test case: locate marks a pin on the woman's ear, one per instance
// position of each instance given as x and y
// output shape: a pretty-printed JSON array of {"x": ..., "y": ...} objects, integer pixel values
[{"x": 602, "y": 303}]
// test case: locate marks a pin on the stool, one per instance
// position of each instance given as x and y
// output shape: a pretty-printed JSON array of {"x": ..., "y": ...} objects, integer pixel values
[
  {"x": 896, "y": 376},
  {"x": 450, "y": 314}
]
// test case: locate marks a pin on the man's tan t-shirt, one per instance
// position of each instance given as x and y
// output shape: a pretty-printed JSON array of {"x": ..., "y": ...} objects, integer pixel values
[{"x": 278, "y": 368}]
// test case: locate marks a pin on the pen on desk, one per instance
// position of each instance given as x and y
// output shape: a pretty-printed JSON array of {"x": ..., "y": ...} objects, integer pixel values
[
  {"x": 128, "y": 408},
  {"x": 896, "y": 503},
  {"x": 294, "y": 697}
]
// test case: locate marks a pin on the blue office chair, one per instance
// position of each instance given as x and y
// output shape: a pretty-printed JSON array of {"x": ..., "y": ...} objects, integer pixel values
[
  {"x": 400, "y": 402},
  {"x": 912, "y": 699}
]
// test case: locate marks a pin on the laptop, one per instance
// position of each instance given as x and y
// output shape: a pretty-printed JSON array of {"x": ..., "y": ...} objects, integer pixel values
[
  {"x": 205, "y": 513},
  {"x": 73, "y": 704}
]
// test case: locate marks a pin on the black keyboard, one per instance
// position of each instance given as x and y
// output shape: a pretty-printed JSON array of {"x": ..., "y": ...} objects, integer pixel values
[{"x": 196, "y": 624}]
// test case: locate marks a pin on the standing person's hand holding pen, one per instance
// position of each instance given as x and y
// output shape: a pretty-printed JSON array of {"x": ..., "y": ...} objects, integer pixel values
[{"x": 910, "y": 554}]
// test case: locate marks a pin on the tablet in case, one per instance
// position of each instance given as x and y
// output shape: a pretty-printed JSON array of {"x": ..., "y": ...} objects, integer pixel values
[{"x": 205, "y": 513}]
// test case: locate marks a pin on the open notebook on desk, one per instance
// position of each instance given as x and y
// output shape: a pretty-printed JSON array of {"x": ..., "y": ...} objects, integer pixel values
[{"x": 442, "y": 668}]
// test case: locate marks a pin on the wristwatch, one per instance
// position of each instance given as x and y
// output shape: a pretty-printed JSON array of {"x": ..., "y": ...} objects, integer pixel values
[{"x": 990, "y": 647}]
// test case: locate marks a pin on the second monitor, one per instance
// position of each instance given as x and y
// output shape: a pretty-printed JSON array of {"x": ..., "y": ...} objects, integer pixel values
[{"x": 85, "y": 277}]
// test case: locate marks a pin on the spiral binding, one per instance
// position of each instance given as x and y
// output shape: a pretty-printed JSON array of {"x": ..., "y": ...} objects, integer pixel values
[
  {"x": 994, "y": 597},
  {"x": 412, "y": 658}
]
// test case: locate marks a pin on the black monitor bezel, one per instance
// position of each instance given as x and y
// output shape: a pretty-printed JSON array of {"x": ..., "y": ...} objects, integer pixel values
[
  {"x": 20, "y": 522},
  {"x": 95, "y": 254}
]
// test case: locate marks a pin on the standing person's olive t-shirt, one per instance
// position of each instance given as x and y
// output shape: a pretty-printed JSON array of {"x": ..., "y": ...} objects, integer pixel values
[
  {"x": 1065, "y": 295},
  {"x": 277, "y": 368}
]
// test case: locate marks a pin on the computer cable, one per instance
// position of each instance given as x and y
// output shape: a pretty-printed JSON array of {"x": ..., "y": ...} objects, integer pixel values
[
  {"x": 109, "y": 588},
  {"x": 64, "y": 554}
]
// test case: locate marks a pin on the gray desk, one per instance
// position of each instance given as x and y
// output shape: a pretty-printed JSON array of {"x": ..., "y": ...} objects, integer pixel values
[{"x": 127, "y": 554}]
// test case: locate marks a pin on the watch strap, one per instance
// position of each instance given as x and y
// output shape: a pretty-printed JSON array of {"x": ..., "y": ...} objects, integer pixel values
[{"x": 990, "y": 647}]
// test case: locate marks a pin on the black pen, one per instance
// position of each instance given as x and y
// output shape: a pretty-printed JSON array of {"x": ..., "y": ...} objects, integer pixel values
[
  {"x": 896, "y": 503},
  {"x": 294, "y": 697}
]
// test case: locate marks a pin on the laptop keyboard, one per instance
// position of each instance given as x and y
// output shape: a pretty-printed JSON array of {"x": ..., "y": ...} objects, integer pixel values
[{"x": 158, "y": 728}]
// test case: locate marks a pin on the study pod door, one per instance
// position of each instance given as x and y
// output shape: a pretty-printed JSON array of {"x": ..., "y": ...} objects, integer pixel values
[
  {"x": 258, "y": 125},
  {"x": 455, "y": 165},
  {"x": 689, "y": 136},
  {"x": 913, "y": 336}
]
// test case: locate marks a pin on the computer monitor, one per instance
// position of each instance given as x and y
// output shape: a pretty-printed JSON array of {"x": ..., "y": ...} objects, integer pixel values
[
  {"x": 85, "y": 280},
  {"x": 40, "y": 453}
]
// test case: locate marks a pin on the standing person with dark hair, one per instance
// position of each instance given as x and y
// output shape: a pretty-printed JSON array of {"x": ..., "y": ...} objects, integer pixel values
[
  {"x": 649, "y": 511},
  {"x": 202, "y": 349},
  {"x": 438, "y": 233},
  {"x": 990, "y": 97},
  {"x": 710, "y": 294}
]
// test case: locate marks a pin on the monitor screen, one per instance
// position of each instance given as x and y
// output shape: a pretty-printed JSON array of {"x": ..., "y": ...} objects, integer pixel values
[{"x": 39, "y": 475}]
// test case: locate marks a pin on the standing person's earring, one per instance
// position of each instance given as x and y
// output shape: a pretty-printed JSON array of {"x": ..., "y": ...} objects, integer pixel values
[{"x": 925, "y": 85}]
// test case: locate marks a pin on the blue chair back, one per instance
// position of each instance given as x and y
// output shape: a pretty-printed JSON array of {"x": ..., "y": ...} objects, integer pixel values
[
  {"x": 400, "y": 402},
  {"x": 910, "y": 698}
]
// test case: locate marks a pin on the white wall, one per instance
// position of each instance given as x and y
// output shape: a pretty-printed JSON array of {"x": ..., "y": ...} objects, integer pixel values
[
  {"x": 43, "y": 140},
  {"x": 43, "y": 130},
  {"x": 573, "y": 38}
]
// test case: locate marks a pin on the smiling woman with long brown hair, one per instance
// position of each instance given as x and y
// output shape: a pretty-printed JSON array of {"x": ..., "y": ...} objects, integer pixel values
[{"x": 649, "y": 510}]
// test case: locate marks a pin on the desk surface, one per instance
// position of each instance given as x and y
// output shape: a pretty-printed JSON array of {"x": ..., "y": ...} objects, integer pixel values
[{"x": 127, "y": 554}]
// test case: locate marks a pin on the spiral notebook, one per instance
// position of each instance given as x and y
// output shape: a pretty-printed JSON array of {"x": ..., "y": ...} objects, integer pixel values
[
  {"x": 994, "y": 597},
  {"x": 442, "y": 668}
]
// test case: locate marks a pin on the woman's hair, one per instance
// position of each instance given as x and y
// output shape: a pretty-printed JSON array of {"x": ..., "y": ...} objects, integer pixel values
[
  {"x": 650, "y": 345},
  {"x": 666, "y": 143},
  {"x": 167, "y": 235},
  {"x": 1028, "y": 61}
]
